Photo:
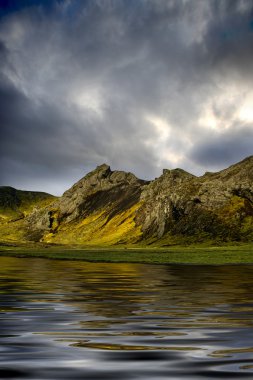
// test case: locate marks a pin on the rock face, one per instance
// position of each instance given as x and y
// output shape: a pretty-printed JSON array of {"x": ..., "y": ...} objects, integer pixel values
[
  {"x": 216, "y": 205},
  {"x": 100, "y": 189},
  {"x": 98, "y": 208},
  {"x": 164, "y": 201},
  {"x": 114, "y": 207}
]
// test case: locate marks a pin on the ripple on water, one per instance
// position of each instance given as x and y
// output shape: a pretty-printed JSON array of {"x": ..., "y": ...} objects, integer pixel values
[{"x": 73, "y": 320}]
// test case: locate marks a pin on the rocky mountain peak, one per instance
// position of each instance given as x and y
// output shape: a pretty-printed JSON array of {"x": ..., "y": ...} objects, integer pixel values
[
  {"x": 102, "y": 179},
  {"x": 177, "y": 172},
  {"x": 115, "y": 206},
  {"x": 102, "y": 171},
  {"x": 99, "y": 188}
]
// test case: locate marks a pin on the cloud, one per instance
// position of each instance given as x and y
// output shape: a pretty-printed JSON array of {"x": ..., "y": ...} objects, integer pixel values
[
  {"x": 140, "y": 85},
  {"x": 222, "y": 149}
]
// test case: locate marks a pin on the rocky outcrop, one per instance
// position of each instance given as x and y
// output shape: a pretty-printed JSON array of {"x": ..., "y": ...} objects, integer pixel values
[
  {"x": 216, "y": 205},
  {"x": 102, "y": 188},
  {"x": 164, "y": 201},
  {"x": 106, "y": 192},
  {"x": 114, "y": 207}
]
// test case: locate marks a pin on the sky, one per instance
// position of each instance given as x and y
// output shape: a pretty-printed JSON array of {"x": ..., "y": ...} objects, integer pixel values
[{"x": 141, "y": 85}]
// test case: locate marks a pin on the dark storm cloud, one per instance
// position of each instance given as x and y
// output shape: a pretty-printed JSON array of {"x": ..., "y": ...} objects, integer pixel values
[
  {"x": 229, "y": 37},
  {"x": 223, "y": 149},
  {"x": 140, "y": 85}
]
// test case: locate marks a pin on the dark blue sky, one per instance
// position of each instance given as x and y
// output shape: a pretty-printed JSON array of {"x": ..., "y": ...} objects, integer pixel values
[
  {"x": 141, "y": 85},
  {"x": 11, "y": 6}
]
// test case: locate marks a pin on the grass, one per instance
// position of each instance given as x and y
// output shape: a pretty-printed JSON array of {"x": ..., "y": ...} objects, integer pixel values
[
  {"x": 96, "y": 229},
  {"x": 217, "y": 255}
]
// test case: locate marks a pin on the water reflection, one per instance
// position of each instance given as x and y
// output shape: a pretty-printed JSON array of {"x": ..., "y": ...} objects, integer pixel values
[{"x": 71, "y": 320}]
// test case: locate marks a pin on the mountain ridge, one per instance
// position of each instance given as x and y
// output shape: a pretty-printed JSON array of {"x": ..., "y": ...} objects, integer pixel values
[{"x": 108, "y": 207}]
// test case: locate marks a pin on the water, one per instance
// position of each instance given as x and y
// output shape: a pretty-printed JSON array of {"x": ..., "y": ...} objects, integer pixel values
[{"x": 76, "y": 320}]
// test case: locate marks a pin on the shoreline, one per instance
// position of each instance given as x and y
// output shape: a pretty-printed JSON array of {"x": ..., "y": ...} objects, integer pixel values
[{"x": 194, "y": 255}]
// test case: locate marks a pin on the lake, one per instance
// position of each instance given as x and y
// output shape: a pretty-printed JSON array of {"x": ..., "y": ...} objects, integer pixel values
[{"x": 78, "y": 320}]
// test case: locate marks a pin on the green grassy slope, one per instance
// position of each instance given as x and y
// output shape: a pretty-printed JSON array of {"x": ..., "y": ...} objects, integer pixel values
[
  {"x": 241, "y": 254},
  {"x": 15, "y": 206}
]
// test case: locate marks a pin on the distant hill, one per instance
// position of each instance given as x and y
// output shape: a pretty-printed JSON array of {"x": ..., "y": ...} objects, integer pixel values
[
  {"x": 15, "y": 206},
  {"x": 113, "y": 207}
]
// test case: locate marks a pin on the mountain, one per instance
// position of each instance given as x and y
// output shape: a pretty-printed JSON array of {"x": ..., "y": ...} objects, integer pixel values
[
  {"x": 113, "y": 207},
  {"x": 181, "y": 207},
  {"x": 98, "y": 209}
]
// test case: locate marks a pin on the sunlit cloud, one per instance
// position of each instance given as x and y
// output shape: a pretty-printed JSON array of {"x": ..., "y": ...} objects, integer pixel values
[{"x": 140, "y": 85}]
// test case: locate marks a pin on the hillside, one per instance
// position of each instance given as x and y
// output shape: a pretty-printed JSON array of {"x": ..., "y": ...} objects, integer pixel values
[
  {"x": 15, "y": 207},
  {"x": 113, "y": 207}
]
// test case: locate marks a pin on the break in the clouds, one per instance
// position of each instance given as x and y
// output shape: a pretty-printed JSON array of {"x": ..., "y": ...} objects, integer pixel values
[{"x": 139, "y": 84}]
